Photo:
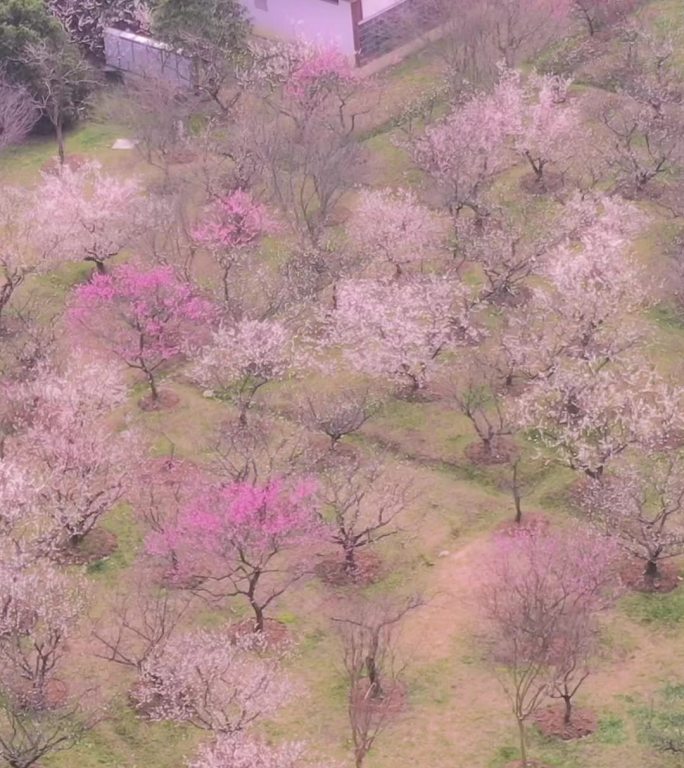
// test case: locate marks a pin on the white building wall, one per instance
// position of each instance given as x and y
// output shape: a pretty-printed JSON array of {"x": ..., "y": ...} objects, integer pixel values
[{"x": 315, "y": 20}]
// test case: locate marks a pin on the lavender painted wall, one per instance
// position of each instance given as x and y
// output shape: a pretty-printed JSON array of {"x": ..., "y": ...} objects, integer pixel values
[{"x": 315, "y": 20}]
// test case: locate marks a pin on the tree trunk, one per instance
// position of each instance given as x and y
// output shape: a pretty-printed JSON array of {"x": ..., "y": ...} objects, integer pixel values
[
  {"x": 59, "y": 132},
  {"x": 373, "y": 678},
  {"x": 154, "y": 392},
  {"x": 242, "y": 419},
  {"x": 523, "y": 745},
  {"x": 99, "y": 264},
  {"x": 567, "y": 715},
  {"x": 349, "y": 559},
  {"x": 258, "y": 616},
  {"x": 651, "y": 571},
  {"x": 516, "y": 495},
  {"x": 594, "y": 474},
  {"x": 226, "y": 289}
]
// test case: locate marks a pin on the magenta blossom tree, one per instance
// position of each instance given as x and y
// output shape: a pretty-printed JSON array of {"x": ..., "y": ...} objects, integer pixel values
[
  {"x": 234, "y": 225},
  {"x": 145, "y": 317},
  {"x": 235, "y": 537}
]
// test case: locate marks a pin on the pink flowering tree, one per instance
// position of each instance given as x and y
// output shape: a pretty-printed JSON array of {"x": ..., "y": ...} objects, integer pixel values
[
  {"x": 640, "y": 503},
  {"x": 466, "y": 150},
  {"x": 213, "y": 681},
  {"x": 42, "y": 607},
  {"x": 589, "y": 306},
  {"x": 233, "y": 226},
  {"x": 242, "y": 358},
  {"x": 78, "y": 466},
  {"x": 81, "y": 473},
  {"x": 145, "y": 317},
  {"x": 319, "y": 77},
  {"x": 397, "y": 331},
  {"x": 542, "y": 589},
  {"x": 549, "y": 126},
  {"x": 238, "y": 751},
  {"x": 21, "y": 252},
  {"x": 391, "y": 226},
  {"x": 89, "y": 214},
  {"x": 245, "y": 540},
  {"x": 589, "y": 412}
]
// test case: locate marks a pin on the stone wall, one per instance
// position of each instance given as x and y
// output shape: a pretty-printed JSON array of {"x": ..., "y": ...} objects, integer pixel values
[{"x": 145, "y": 57}]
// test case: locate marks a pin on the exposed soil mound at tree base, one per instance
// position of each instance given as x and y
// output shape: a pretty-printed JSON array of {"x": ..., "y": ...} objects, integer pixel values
[
  {"x": 500, "y": 452},
  {"x": 164, "y": 402},
  {"x": 632, "y": 575},
  {"x": 390, "y": 702},
  {"x": 96, "y": 545},
  {"x": 71, "y": 161},
  {"x": 531, "y": 521},
  {"x": 368, "y": 570},
  {"x": 56, "y": 693},
  {"x": 274, "y": 635},
  {"x": 550, "y": 722},
  {"x": 551, "y": 183},
  {"x": 528, "y": 764}
]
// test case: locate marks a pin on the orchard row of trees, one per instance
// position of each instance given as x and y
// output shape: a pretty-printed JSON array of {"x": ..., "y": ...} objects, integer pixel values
[{"x": 530, "y": 323}]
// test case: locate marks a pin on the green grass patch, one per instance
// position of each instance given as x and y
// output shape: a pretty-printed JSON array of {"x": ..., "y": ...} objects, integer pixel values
[
  {"x": 122, "y": 523},
  {"x": 611, "y": 730},
  {"x": 666, "y": 610},
  {"x": 22, "y": 164}
]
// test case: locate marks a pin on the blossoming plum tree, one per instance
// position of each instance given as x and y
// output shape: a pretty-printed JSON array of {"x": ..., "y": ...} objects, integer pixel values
[
  {"x": 144, "y": 317},
  {"x": 234, "y": 225},
  {"x": 235, "y": 538}
]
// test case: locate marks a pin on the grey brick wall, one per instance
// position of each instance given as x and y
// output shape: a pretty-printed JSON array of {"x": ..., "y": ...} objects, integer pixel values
[
  {"x": 146, "y": 57},
  {"x": 395, "y": 26}
]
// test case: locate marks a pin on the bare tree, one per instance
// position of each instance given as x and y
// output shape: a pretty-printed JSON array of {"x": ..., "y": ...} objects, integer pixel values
[
  {"x": 595, "y": 14},
  {"x": 18, "y": 113},
  {"x": 364, "y": 502},
  {"x": 521, "y": 28},
  {"x": 26, "y": 737},
  {"x": 369, "y": 635},
  {"x": 475, "y": 388},
  {"x": 338, "y": 414},
  {"x": 28, "y": 337},
  {"x": 507, "y": 257},
  {"x": 156, "y": 112},
  {"x": 543, "y": 589},
  {"x": 140, "y": 624},
  {"x": 62, "y": 82},
  {"x": 258, "y": 450},
  {"x": 466, "y": 44}
]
